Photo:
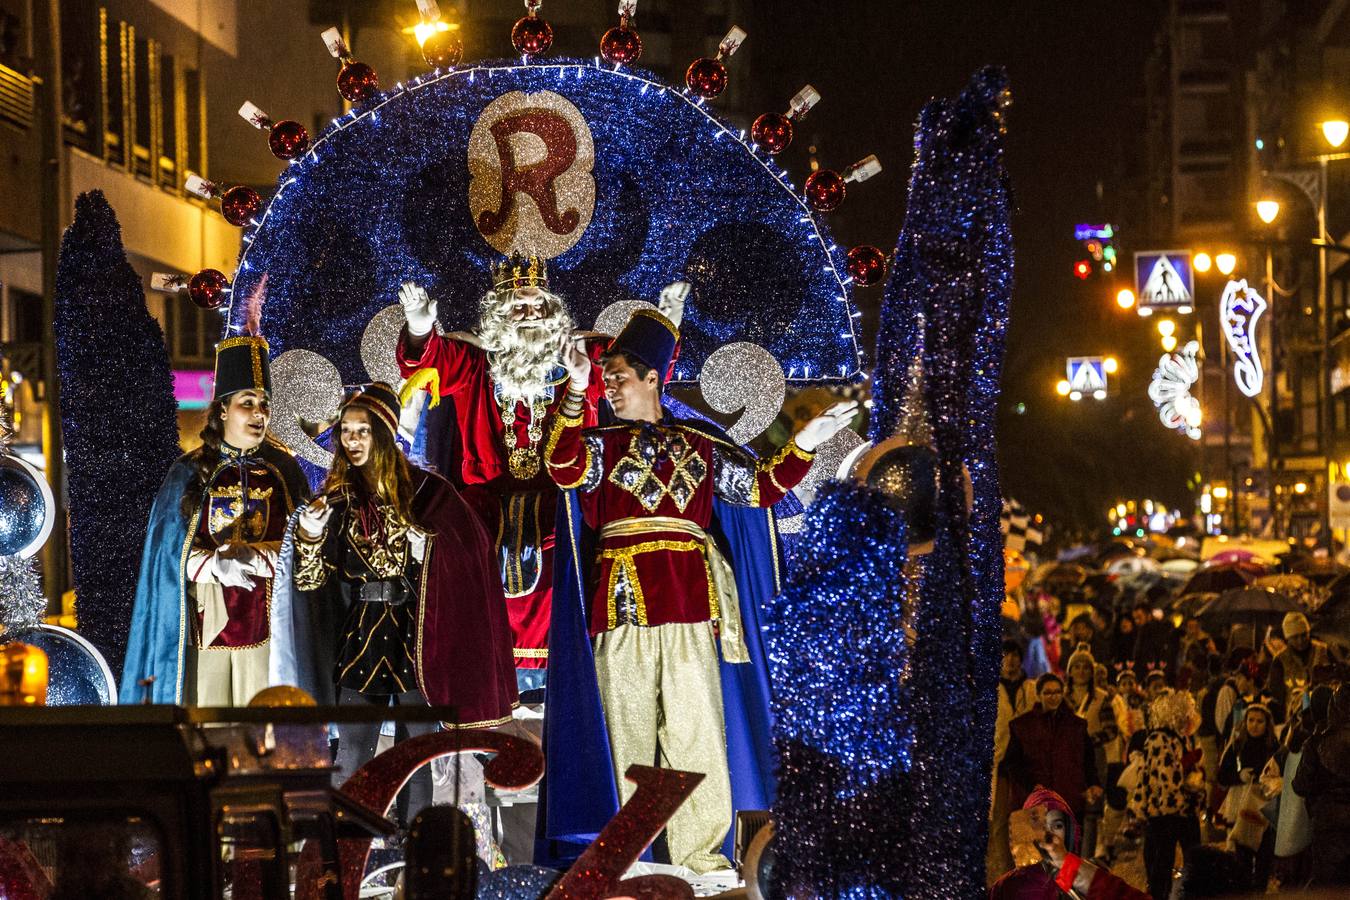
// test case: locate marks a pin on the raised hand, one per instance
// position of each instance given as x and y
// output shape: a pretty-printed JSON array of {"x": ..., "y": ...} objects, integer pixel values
[
  {"x": 826, "y": 425},
  {"x": 314, "y": 518},
  {"x": 418, "y": 309},
  {"x": 671, "y": 303},
  {"x": 577, "y": 362}
]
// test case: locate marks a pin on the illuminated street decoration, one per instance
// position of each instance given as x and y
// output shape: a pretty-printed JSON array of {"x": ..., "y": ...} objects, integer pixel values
[
  {"x": 1239, "y": 310},
  {"x": 1170, "y": 390}
]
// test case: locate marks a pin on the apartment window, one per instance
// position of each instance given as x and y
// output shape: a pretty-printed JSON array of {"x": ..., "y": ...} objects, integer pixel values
[
  {"x": 80, "y": 75},
  {"x": 26, "y": 317},
  {"x": 143, "y": 89},
  {"x": 192, "y": 332}
]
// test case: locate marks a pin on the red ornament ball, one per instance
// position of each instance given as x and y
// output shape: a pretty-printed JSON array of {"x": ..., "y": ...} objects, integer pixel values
[
  {"x": 240, "y": 204},
  {"x": 357, "y": 81},
  {"x": 620, "y": 44},
  {"x": 532, "y": 36},
  {"x": 288, "y": 139},
  {"x": 772, "y": 131},
  {"x": 706, "y": 77},
  {"x": 866, "y": 264},
  {"x": 207, "y": 289},
  {"x": 825, "y": 190},
  {"x": 443, "y": 49}
]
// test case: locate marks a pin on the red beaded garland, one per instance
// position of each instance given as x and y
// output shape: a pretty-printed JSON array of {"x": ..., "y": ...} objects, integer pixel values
[
  {"x": 706, "y": 77},
  {"x": 825, "y": 190},
  {"x": 288, "y": 139},
  {"x": 772, "y": 131},
  {"x": 620, "y": 44},
  {"x": 531, "y": 35},
  {"x": 207, "y": 289},
  {"x": 357, "y": 81},
  {"x": 239, "y": 204},
  {"x": 866, "y": 264},
  {"x": 442, "y": 49}
]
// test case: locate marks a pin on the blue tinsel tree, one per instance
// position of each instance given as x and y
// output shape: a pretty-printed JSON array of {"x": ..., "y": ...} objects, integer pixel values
[
  {"x": 885, "y": 754},
  {"x": 118, "y": 417}
]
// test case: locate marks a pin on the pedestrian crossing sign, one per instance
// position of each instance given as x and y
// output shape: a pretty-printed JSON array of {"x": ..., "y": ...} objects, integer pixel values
[
  {"x": 1087, "y": 377},
  {"x": 1163, "y": 280}
]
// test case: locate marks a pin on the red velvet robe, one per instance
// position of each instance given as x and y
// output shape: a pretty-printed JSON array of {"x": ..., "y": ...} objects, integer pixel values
[
  {"x": 519, "y": 514},
  {"x": 673, "y": 470}
]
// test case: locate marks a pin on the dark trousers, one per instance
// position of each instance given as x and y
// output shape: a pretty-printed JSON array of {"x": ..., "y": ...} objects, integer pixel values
[
  {"x": 357, "y": 742},
  {"x": 1162, "y": 834}
]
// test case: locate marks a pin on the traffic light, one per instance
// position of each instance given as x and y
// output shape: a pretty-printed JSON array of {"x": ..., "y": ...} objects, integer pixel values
[{"x": 1082, "y": 269}]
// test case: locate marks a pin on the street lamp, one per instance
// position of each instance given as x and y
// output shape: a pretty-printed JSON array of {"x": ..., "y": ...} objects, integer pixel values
[
  {"x": 1125, "y": 299},
  {"x": 1225, "y": 263},
  {"x": 1110, "y": 365},
  {"x": 1268, "y": 210},
  {"x": 1169, "y": 342},
  {"x": 1202, "y": 262},
  {"x": 1336, "y": 131},
  {"x": 1063, "y": 388},
  {"x": 1166, "y": 327}
]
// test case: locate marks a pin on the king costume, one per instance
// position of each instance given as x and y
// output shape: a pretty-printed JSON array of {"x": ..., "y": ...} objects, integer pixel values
[
  {"x": 499, "y": 455},
  {"x": 193, "y": 639},
  {"x": 640, "y": 606}
]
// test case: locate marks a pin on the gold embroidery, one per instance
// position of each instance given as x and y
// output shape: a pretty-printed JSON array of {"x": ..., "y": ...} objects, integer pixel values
[
  {"x": 561, "y": 422},
  {"x": 311, "y": 569},
  {"x": 636, "y": 475},
  {"x": 790, "y": 449},
  {"x": 531, "y": 653},
  {"x": 386, "y": 560}
]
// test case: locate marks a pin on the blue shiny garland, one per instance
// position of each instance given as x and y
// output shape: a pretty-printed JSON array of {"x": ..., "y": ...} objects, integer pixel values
[
  {"x": 947, "y": 300},
  {"x": 118, "y": 418},
  {"x": 382, "y": 198}
]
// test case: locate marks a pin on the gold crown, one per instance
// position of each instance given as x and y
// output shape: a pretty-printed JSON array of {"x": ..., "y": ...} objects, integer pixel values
[{"x": 519, "y": 270}]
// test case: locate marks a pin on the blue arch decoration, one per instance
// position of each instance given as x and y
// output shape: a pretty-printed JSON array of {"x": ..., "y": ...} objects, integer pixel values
[{"x": 382, "y": 197}]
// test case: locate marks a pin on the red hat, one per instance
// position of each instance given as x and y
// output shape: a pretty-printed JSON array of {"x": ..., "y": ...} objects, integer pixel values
[{"x": 1043, "y": 796}]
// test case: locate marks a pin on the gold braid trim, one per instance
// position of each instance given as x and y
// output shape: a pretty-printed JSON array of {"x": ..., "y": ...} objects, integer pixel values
[
  {"x": 789, "y": 449},
  {"x": 311, "y": 569},
  {"x": 428, "y": 378},
  {"x": 560, "y": 422}
]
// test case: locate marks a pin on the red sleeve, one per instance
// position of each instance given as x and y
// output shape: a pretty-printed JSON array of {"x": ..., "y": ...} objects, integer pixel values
[
  {"x": 781, "y": 472},
  {"x": 1106, "y": 886},
  {"x": 450, "y": 358},
  {"x": 566, "y": 454}
]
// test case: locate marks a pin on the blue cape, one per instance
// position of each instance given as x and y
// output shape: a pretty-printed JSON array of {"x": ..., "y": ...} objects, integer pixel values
[{"x": 579, "y": 795}]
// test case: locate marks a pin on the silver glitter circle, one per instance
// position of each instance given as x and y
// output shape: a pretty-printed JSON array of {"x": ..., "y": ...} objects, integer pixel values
[
  {"x": 27, "y": 509},
  {"x": 613, "y": 317},
  {"x": 379, "y": 345},
  {"x": 830, "y": 456},
  {"x": 77, "y": 674},
  {"x": 744, "y": 376},
  {"x": 305, "y": 388}
]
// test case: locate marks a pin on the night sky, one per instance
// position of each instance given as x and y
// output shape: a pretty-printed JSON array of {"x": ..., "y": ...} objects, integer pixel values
[{"x": 1077, "y": 82}]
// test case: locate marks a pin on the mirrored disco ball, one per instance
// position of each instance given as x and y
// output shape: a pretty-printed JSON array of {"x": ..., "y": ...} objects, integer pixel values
[
  {"x": 77, "y": 674},
  {"x": 23, "y": 507}
]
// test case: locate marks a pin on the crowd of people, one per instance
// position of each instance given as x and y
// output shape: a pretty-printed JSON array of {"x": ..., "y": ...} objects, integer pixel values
[{"x": 1181, "y": 755}]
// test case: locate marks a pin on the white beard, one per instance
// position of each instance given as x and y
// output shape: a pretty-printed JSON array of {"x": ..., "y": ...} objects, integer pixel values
[{"x": 522, "y": 357}]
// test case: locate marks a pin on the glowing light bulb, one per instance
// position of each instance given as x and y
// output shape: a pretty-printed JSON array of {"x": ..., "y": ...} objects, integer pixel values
[
  {"x": 1169, "y": 343},
  {"x": 1335, "y": 131},
  {"x": 1062, "y": 388},
  {"x": 1125, "y": 299},
  {"x": 1225, "y": 263},
  {"x": 1268, "y": 210},
  {"x": 1202, "y": 262},
  {"x": 1110, "y": 365},
  {"x": 1166, "y": 327}
]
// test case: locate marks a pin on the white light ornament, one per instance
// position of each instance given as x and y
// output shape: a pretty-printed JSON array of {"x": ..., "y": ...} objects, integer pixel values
[
  {"x": 1239, "y": 310},
  {"x": 1170, "y": 390}
]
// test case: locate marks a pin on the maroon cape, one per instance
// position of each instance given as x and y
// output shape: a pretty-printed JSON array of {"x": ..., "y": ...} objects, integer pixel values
[{"x": 463, "y": 635}]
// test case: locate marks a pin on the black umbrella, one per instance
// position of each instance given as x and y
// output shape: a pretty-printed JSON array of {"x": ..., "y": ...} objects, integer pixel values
[
  {"x": 1247, "y": 604},
  {"x": 1218, "y": 579}
]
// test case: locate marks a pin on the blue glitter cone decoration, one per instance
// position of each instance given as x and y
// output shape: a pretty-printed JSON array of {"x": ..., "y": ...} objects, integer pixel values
[
  {"x": 946, "y": 304},
  {"x": 117, "y": 413}
]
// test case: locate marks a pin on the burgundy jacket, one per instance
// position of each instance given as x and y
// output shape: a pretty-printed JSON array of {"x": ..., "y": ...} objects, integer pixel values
[{"x": 1052, "y": 750}]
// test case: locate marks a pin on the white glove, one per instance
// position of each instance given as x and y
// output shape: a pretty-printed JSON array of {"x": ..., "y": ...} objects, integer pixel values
[
  {"x": 418, "y": 309},
  {"x": 232, "y": 572},
  {"x": 826, "y": 425},
  {"x": 417, "y": 544},
  {"x": 671, "y": 304},
  {"x": 314, "y": 519}
]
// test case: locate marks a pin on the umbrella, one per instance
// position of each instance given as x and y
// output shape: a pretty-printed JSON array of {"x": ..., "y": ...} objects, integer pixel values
[
  {"x": 1190, "y": 604},
  {"x": 1180, "y": 565},
  {"x": 1247, "y": 604},
  {"x": 1064, "y": 576},
  {"x": 1133, "y": 565},
  {"x": 1217, "y": 579},
  {"x": 1318, "y": 570},
  {"x": 1229, "y": 557}
]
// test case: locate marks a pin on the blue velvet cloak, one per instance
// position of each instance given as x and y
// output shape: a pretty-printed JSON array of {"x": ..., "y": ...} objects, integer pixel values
[{"x": 579, "y": 795}]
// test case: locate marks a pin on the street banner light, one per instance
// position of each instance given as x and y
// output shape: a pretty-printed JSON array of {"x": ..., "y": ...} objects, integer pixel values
[
  {"x": 1170, "y": 390},
  {"x": 1239, "y": 311}
]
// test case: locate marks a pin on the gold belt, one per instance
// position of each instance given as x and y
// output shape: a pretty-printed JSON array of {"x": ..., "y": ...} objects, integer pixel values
[{"x": 722, "y": 576}]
